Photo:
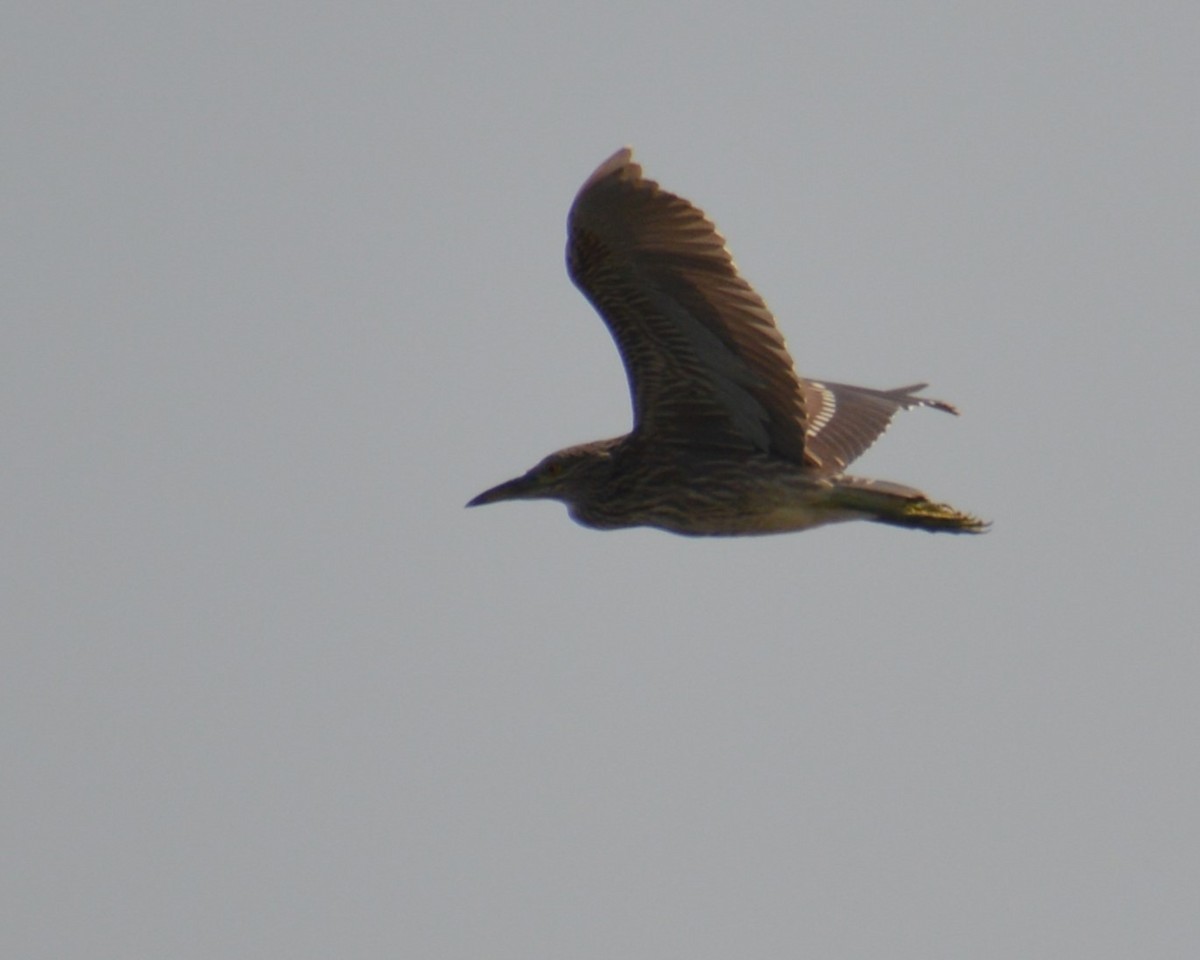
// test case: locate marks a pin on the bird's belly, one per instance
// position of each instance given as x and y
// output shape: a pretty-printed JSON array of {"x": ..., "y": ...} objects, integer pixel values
[
  {"x": 782, "y": 518},
  {"x": 716, "y": 500},
  {"x": 792, "y": 517}
]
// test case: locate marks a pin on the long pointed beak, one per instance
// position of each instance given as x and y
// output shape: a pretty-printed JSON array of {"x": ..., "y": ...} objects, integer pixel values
[{"x": 520, "y": 488}]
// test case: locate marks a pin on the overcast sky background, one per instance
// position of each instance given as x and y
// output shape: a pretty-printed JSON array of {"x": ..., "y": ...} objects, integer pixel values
[{"x": 284, "y": 287}]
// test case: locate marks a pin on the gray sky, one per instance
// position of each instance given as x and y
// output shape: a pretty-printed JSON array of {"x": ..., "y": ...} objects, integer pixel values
[{"x": 283, "y": 288}]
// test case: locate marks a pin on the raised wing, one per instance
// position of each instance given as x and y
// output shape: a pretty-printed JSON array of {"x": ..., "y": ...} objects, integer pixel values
[{"x": 706, "y": 364}]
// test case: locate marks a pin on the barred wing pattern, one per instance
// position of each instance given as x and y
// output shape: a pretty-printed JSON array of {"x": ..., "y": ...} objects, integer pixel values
[
  {"x": 844, "y": 421},
  {"x": 707, "y": 367},
  {"x": 705, "y": 362}
]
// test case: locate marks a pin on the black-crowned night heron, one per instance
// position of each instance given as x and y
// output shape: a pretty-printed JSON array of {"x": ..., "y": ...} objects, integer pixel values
[{"x": 726, "y": 438}]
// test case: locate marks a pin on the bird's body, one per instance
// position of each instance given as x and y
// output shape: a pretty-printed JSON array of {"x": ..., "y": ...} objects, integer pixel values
[{"x": 727, "y": 439}]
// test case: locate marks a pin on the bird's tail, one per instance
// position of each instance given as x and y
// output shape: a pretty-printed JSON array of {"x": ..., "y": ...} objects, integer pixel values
[{"x": 902, "y": 506}]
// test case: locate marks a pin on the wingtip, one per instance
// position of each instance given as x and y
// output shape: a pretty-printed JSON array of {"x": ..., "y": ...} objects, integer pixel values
[
  {"x": 911, "y": 399},
  {"x": 622, "y": 159},
  {"x": 621, "y": 156}
]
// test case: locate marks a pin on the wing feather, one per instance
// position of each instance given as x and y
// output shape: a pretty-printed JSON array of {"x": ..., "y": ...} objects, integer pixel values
[
  {"x": 844, "y": 420},
  {"x": 705, "y": 362}
]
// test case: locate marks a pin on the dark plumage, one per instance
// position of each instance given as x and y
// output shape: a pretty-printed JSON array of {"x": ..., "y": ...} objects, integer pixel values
[{"x": 726, "y": 438}]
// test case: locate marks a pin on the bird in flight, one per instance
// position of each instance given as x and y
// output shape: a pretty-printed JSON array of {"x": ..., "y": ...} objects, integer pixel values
[{"x": 727, "y": 439}]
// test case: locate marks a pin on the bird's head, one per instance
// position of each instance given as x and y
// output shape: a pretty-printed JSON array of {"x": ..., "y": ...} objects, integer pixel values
[{"x": 571, "y": 475}]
